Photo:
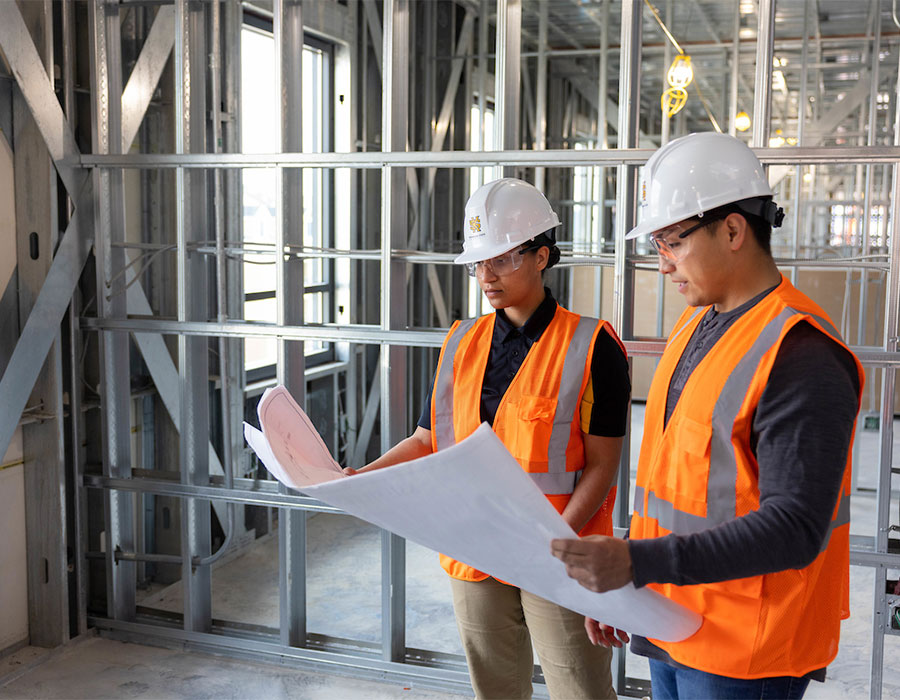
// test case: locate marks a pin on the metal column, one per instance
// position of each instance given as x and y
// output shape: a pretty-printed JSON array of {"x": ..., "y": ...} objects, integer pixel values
[
  {"x": 394, "y": 225},
  {"x": 288, "y": 28},
  {"x": 109, "y": 221},
  {"x": 626, "y": 201},
  {"x": 193, "y": 360},
  {"x": 507, "y": 78},
  {"x": 762, "y": 91},
  {"x": 540, "y": 96}
]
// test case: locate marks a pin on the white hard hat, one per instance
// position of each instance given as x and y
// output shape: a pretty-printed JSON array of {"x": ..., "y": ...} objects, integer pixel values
[
  {"x": 502, "y": 215},
  {"x": 693, "y": 174}
]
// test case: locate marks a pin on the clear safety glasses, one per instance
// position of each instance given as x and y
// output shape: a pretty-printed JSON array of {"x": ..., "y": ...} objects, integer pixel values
[
  {"x": 670, "y": 242},
  {"x": 501, "y": 265}
]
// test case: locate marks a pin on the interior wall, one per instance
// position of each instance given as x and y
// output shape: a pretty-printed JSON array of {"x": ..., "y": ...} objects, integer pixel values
[{"x": 13, "y": 572}]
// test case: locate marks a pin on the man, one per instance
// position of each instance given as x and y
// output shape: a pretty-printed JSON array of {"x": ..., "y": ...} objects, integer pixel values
[
  {"x": 741, "y": 509},
  {"x": 554, "y": 387}
]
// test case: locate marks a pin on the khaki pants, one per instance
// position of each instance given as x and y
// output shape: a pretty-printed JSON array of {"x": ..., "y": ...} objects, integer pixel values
[{"x": 494, "y": 622}]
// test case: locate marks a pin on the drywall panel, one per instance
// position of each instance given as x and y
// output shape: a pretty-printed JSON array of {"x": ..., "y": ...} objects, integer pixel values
[{"x": 13, "y": 574}]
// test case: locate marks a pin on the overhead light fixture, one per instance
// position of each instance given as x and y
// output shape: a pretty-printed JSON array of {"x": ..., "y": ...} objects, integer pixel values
[
  {"x": 776, "y": 141},
  {"x": 680, "y": 72},
  {"x": 679, "y": 76},
  {"x": 742, "y": 121}
]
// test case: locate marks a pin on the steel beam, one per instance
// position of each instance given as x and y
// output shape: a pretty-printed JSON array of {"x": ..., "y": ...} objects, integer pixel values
[
  {"x": 564, "y": 158},
  {"x": 289, "y": 288}
]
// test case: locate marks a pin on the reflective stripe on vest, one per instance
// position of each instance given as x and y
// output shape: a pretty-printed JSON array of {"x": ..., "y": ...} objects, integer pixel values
[
  {"x": 443, "y": 389},
  {"x": 567, "y": 402},
  {"x": 694, "y": 315},
  {"x": 556, "y": 480},
  {"x": 721, "y": 496}
]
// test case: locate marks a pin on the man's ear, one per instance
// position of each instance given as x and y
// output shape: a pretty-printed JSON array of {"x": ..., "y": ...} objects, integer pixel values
[
  {"x": 543, "y": 257},
  {"x": 737, "y": 229}
]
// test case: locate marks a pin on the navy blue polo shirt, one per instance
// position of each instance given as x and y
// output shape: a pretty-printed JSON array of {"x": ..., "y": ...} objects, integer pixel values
[{"x": 509, "y": 345}]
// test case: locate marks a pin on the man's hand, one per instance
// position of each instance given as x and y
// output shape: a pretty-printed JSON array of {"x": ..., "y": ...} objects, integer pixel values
[
  {"x": 597, "y": 562},
  {"x": 604, "y": 635},
  {"x": 350, "y": 471}
]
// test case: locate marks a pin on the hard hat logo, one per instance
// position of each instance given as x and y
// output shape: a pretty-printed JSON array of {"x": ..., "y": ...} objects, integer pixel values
[{"x": 475, "y": 225}]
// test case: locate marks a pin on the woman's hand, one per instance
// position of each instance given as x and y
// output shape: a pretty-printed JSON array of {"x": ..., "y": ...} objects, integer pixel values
[{"x": 604, "y": 635}]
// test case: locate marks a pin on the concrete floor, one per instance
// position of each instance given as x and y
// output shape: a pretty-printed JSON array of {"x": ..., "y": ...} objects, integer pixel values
[
  {"x": 103, "y": 668},
  {"x": 344, "y": 600}
]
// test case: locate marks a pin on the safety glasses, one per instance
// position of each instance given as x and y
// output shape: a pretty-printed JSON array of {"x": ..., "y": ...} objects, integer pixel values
[
  {"x": 670, "y": 242},
  {"x": 501, "y": 265}
]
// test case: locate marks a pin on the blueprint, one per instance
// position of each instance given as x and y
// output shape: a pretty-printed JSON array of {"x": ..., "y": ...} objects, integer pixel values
[{"x": 474, "y": 503}]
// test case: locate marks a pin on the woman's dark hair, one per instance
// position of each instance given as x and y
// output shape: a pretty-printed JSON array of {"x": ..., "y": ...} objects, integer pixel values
[{"x": 548, "y": 238}]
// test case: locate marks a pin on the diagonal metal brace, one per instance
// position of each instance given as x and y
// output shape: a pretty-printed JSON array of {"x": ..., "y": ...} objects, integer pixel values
[
  {"x": 28, "y": 70},
  {"x": 45, "y": 317}
]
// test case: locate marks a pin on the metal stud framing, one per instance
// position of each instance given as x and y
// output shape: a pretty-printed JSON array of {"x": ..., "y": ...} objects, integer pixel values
[
  {"x": 288, "y": 31},
  {"x": 393, "y": 366},
  {"x": 193, "y": 361}
]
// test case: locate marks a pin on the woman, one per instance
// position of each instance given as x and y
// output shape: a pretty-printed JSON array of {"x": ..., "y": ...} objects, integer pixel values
[{"x": 555, "y": 389}]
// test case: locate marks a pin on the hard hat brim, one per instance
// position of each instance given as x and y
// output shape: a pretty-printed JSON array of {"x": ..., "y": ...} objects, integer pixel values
[{"x": 650, "y": 225}]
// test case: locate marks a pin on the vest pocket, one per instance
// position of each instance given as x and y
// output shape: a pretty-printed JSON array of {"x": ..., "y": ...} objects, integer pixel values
[
  {"x": 534, "y": 425},
  {"x": 687, "y": 465}
]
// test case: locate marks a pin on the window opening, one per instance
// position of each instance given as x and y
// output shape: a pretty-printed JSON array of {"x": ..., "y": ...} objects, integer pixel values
[{"x": 259, "y": 134}]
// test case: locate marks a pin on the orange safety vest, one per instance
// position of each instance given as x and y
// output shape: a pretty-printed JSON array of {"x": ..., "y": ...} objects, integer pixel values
[
  {"x": 550, "y": 382},
  {"x": 700, "y": 472}
]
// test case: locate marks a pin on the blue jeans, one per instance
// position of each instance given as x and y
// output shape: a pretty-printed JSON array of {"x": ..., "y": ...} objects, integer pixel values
[{"x": 670, "y": 683}]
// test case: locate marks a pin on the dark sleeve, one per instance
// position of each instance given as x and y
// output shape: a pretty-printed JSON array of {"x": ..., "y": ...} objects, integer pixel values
[
  {"x": 425, "y": 417},
  {"x": 802, "y": 431},
  {"x": 611, "y": 389}
]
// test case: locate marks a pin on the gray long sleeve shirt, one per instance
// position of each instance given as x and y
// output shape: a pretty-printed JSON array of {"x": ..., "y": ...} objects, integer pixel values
[{"x": 801, "y": 434}]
